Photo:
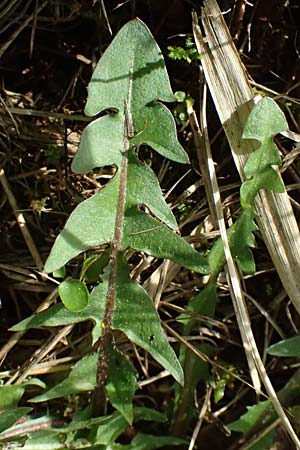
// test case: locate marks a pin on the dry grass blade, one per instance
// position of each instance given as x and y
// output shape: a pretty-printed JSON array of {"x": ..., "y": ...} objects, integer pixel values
[
  {"x": 203, "y": 412},
  {"x": 24, "y": 24},
  {"x": 239, "y": 304},
  {"x": 21, "y": 221},
  {"x": 216, "y": 210},
  {"x": 21, "y": 374},
  {"x": 18, "y": 335},
  {"x": 46, "y": 114},
  {"x": 227, "y": 80},
  {"x": 232, "y": 95}
]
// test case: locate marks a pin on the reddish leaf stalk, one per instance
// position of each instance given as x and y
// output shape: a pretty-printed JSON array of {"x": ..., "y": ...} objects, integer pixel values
[{"x": 99, "y": 397}]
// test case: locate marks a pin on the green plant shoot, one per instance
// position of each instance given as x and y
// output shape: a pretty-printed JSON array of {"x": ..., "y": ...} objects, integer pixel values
[{"x": 128, "y": 92}]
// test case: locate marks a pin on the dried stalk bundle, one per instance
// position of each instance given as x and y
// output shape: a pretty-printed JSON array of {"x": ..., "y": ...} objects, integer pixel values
[{"x": 227, "y": 79}]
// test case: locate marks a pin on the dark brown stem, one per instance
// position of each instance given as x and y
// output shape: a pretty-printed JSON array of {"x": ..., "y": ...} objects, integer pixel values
[{"x": 99, "y": 396}]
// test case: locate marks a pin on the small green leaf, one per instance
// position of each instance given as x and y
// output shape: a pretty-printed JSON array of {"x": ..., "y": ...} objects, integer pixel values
[
  {"x": 11, "y": 416},
  {"x": 265, "y": 121},
  {"x": 188, "y": 53},
  {"x": 180, "y": 96},
  {"x": 286, "y": 348},
  {"x": 143, "y": 233},
  {"x": 216, "y": 257},
  {"x": 58, "y": 315},
  {"x": 109, "y": 431},
  {"x": 196, "y": 371},
  {"x": 101, "y": 134},
  {"x": 202, "y": 304},
  {"x": 136, "y": 316},
  {"x": 121, "y": 384},
  {"x": 93, "y": 267},
  {"x": 266, "y": 156},
  {"x": 265, "y": 442},
  {"x": 81, "y": 378},
  {"x": 10, "y": 396},
  {"x": 44, "y": 439},
  {"x": 60, "y": 273},
  {"x": 138, "y": 193},
  {"x": 74, "y": 295},
  {"x": 151, "y": 415},
  {"x": 248, "y": 420},
  {"x": 267, "y": 179},
  {"x": 158, "y": 130},
  {"x": 241, "y": 239},
  {"x": 90, "y": 224},
  {"x": 219, "y": 389},
  {"x": 223, "y": 377}
]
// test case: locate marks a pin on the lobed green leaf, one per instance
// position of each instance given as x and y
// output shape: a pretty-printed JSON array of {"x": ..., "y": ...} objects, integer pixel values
[
  {"x": 92, "y": 224},
  {"x": 264, "y": 122}
]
